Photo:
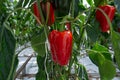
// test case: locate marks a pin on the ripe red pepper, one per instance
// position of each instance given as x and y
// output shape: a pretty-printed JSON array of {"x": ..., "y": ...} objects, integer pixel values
[
  {"x": 110, "y": 11},
  {"x": 60, "y": 46},
  {"x": 51, "y": 17}
]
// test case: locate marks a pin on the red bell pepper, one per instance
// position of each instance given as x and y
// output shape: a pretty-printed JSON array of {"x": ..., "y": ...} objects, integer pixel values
[
  {"x": 110, "y": 11},
  {"x": 51, "y": 17},
  {"x": 60, "y": 46}
]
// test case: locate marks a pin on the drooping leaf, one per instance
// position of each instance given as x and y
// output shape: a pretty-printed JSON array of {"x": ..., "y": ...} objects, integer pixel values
[
  {"x": 117, "y": 5},
  {"x": 100, "y": 56},
  {"x": 116, "y": 46},
  {"x": 100, "y": 48},
  {"x": 8, "y": 59},
  {"x": 38, "y": 43},
  {"x": 97, "y": 58},
  {"x": 107, "y": 70},
  {"x": 107, "y": 55},
  {"x": 101, "y": 51}
]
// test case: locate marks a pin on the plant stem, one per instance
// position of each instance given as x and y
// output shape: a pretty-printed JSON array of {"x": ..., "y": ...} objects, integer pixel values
[
  {"x": 84, "y": 26},
  {"x": 46, "y": 49},
  {"x": 40, "y": 10},
  {"x": 12, "y": 67}
]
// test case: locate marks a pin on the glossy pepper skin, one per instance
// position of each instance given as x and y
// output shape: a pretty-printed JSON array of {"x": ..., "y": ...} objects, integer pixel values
[
  {"x": 51, "y": 17},
  {"x": 60, "y": 46},
  {"x": 110, "y": 11}
]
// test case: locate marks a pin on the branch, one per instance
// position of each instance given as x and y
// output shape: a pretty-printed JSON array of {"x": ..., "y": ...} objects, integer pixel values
[{"x": 23, "y": 66}]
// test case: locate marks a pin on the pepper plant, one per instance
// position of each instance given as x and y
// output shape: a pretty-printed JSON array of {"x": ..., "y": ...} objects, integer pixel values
[{"x": 61, "y": 32}]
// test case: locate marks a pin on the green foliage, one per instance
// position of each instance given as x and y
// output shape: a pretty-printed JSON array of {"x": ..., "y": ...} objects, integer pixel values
[
  {"x": 8, "y": 59},
  {"x": 76, "y": 7},
  {"x": 116, "y": 46},
  {"x": 100, "y": 2},
  {"x": 93, "y": 32},
  {"x": 23, "y": 28},
  {"x": 24, "y": 3},
  {"x": 103, "y": 61},
  {"x": 41, "y": 75},
  {"x": 96, "y": 58},
  {"x": 90, "y": 2},
  {"x": 107, "y": 70},
  {"x": 38, "y": 43},
  {"x": 82, "y": 73}
]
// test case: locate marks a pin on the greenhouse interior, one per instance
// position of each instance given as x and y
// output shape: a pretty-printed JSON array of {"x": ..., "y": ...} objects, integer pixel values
[{"x": 60, "y": 40}]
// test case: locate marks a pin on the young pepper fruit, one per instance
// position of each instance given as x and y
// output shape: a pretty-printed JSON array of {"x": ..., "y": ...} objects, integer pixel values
[
  {"x": 51, "y": 17},
  {"x": 60, "y": 46},
  {"x": 110, "y": 11},
  {"x": 68, "y": 25}
]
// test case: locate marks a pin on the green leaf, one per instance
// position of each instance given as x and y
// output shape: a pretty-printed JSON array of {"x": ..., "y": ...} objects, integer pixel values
[
  {"x": 8, "y": 59},
  {"x": 40, "y": 62},
  {"x": 116, "y": 46},
  {"x": 82, "y": 73},
  {"x": 31, "y": 1},
  {"x": 99, "y": 2},
  {"x": 97, "y": 58},
  {"x": 27, "y": 17},
  {"x": 19, "y": 4},
  {"x": 107, "y": 55},
  {"x": 81, "y": 7},
  {"x": 107, "y": 70},
  {"x": 38, "y": 43},
  {"x": 82, "y": 19},
  {"x": 100, "y": 56},
  {"x": 92, "y": 32},
  {"x": 90, "y": 2},
  {"x": 25, "y": 2},
  {"x": 41, "y": 75},
  {"x": 97, "y": 48},
  {"x": 100, "y": 48},
  {"x": 117, "y": 5},
  {"x": 103, "y": 50}
]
